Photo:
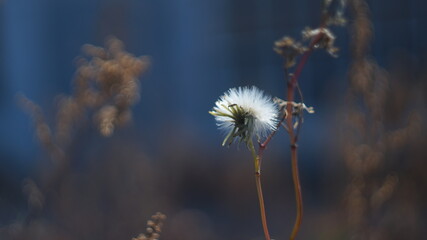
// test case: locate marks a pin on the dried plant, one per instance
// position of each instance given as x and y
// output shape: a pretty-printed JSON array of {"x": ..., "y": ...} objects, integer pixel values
[
  {"x": 154, "y": 228},
  {"x": 106, "y": 86},
  {"x": 372, "y": 140}
]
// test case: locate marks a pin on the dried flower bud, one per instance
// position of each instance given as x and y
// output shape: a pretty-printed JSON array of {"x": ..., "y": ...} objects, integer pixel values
[
  {"x": 325, "y": 39},
  {"x": 297, "y": 107},
  {"x": 289, "y": 49}
]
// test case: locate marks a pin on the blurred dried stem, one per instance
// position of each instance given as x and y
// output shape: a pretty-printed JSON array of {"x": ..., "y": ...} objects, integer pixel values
[{"x": 372, "y": 138}]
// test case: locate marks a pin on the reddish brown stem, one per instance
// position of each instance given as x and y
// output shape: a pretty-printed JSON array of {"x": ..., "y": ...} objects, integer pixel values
[
  {"x": 292, "y": 83},
  {"x": 261, "y": 205},
  {"x": 298, "y": 194},
  {"x": 263, "y": 146},
  {"x": 257, "y": 165}
]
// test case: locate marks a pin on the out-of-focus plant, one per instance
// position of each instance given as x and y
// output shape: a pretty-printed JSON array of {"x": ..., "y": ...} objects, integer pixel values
[
  {"x": 154, "y": 228},
  {"x": 379, "y": 123},
  {"x": 106, "y": 86}
]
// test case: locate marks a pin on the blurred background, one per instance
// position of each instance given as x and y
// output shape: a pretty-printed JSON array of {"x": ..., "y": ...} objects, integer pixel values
[{"x": 361, "y": 154}]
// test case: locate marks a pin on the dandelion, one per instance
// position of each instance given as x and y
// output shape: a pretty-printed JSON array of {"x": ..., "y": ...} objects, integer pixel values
[{"x": 244, "y": 112}]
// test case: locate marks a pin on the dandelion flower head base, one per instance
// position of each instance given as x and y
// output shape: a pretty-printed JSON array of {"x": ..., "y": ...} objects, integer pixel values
[{"x": 244, "y": 112}]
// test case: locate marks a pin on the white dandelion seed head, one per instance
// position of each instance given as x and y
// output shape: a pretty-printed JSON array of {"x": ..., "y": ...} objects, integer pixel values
[{"x": 244, "y": 112}]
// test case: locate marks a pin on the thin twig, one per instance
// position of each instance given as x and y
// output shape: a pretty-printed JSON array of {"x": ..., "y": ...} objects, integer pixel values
[{"x": 263, "y": 145}]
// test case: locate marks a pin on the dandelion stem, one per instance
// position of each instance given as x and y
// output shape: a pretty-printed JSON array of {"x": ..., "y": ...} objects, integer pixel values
[
  {"x": 257, "y": 164},
  {"x": 261, "y": 203}
]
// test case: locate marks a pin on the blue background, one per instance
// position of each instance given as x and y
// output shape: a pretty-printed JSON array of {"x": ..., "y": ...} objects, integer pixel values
[{"x": 198, "y": 50}]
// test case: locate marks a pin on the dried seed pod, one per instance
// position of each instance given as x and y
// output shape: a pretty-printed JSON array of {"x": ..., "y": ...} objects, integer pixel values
[{"x": 289, "y": 49}]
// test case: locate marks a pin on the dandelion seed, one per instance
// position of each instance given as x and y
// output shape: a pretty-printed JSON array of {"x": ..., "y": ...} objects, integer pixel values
[{"x": 244, "y": 112}]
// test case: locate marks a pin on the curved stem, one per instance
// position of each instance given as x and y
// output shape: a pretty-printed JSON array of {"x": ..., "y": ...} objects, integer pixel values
[
  {"x": 292, "y": 85},
  {"x": 298, "y": 194},
  {"x": 257, "y": 164}
]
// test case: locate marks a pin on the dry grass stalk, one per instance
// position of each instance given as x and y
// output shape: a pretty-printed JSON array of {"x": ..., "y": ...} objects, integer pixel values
[
  {"x": 106, "y": 86},
  {"x": 370, "y": 142}
]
